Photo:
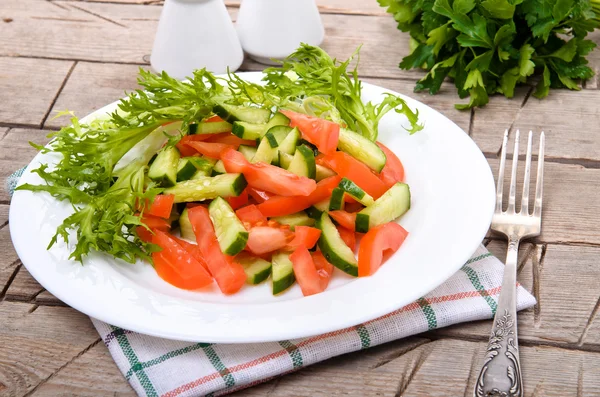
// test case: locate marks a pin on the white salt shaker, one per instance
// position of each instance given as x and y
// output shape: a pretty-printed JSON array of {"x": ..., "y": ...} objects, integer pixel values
[
  {"x": 275, "y": 28},
  {"x": 193, "y": 34}
]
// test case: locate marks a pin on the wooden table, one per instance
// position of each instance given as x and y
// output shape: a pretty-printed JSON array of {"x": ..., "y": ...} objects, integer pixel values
[{"x": 80, "y": 55}]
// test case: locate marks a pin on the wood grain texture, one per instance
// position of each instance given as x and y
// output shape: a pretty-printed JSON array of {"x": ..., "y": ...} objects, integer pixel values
[
  {"x": 107, "y": 82},
  {"x": 31, "y": 85},
  {"x": 15, "y": 152},
  {"x": 9, "y": 261},
  {"x": 4, "y": 215}
]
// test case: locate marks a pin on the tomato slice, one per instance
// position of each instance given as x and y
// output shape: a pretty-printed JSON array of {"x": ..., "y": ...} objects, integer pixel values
[
  {"x": 153, "y": 222},
  {"x": 277, "y": 180},
  {"x": 213, "y": 119},
  {"x": 186, "y": 150},
  {"x": 251, "y": 215},
  {"x": 165, "y": 269},
  {"x": 230, "y": 276},
  {"x": 234, "y": 161},
  {"x": 388, "y": 236},
  {"x": 259, "y": 195},
  {"x": 162, "y": 205},
  {"x": 348, "y": 236},
  {"x": 304, "y": 236},
  {"x": 184, "y": 264},
  {"x": 324, "y": 268},
  {"x": 230, "y": 139},
  {"x": 263, "y": 239},
  {"x": 324, "y": 134},
  {"x": 348, "y": 167},
  {"x": 280, "y": 205},
  {"x": 345, "y": 219},
  {"x": 238, "y": 201},
  {"x": 306, "y": 272},
  {"x": 210, "y": 149},
  {"x": 393, "y": 171},
  {"x": 193, "y": 249}
]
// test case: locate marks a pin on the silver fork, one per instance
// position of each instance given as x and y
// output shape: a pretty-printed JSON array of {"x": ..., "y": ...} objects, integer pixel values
[{"x": 501, "y": 372}]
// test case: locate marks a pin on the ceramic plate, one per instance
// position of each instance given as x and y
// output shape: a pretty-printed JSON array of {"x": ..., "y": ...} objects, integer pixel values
[{"x": 452, "y": 203}]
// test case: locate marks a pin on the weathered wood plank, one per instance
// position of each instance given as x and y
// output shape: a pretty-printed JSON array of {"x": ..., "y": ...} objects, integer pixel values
[
  {"x": 36, "y": 343},
  {"x": 24, "y": 287},
  {"x": 9, "y": 261},
  {"x": 568, "y": 118},
  {"x": 4, "y": 214},
  {"x": 91, "y": 86},
  {"x": 46, "y": 298},
  {"x": 92, "y": 374},
  {"x": 444, "y": 367},
  {"x": 28, "y": 87},
  {"x": 15, "y": 152}
]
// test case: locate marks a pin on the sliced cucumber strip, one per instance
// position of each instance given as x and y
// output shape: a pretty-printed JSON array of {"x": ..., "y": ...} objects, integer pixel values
[
  {"x": 323, "y": 172},
  {"x": 297, "y": 219},
  {"x": 257, "y": 269},
  {"x": 205, "y": 188},
  {"x": 356, "y": 192},
  {"x": 277, "y": 134},
  {"x": 362, "y": 149},
  {"x": 188, "y": 166},
  {"x": 163, "y": 170},
  {"x": 303, "y": 163},
  {"x": 290, "y": 142},
  {"x": 264, "y": 153},
  {"x": 277, "y": 119},
  {"x": 391, "y": 205},
  {"x": 247, "y": 151},
  {"x": 219, "y": 168},
  {"x": 233, "y": 113},
  {"x": 185, "y": 226},
  {"x": 247, "y": 130},
  {"x": 285, "y": 160},
  {"x": 333, "y": 247},
  {"x": 282, "y": 272},
  {"x": 202, "y": 173},
  {"x": 336, "y": 202},
  {"x": 315, "y": 213},
  {"x": 214, "y": 127},
  {"x": 231, "y": 233}
]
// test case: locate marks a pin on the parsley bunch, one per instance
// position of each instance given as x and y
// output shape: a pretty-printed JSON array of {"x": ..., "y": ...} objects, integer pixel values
[{"x": 490, "y": 46}]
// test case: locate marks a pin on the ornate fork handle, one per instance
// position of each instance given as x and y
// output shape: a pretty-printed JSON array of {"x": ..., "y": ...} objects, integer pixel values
[{"x": 500, "y": 375}]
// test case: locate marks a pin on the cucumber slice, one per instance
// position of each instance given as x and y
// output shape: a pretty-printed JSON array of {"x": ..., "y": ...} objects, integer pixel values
[
  {"x": 336, "y": 202},
  {"x": 214, "y": 127},
  {"x": 323, "y": 172},
  {"x": 277, "y": 119},
  {"x": 285, "y": 160},
  {"x": 247, "y": 151},
  {"x": 297, "y": 219},
  {"x": 362, "y": 149},
  {"x": 303, "y": 163},
  {"x": 282, "y": 272},
  {"x": 185, "y": 226},
  {"x": 290, "y": 142},
  {"x": 250, "y": 131},
  {"x": 163, "y": 170},
  {"x": 233, "y": 113},
  {"x": 333, "y": 247},
  {"x": 188, "y": 166},
  {"x": 391, "y": 205},
  {"x": 202, "y": 173},
  {"x": 219, "y": 168},
  {"x": 257, "y": 269},
  {"x": 313, "y": 212},
  {"x": 264, "y": 152},
  {"x": 356, "y": 192},
  {"x": 277, "y": 134},
  {"x": 231, "y": 233},
  {"x": 205, "y": 188}
]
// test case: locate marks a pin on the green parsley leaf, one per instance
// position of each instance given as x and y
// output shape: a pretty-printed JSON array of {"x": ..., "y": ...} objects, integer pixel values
[{"x": 500, "y": 9}]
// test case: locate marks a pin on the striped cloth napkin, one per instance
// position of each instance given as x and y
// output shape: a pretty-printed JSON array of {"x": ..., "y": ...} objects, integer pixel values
[{"x": 168, "y": 368}]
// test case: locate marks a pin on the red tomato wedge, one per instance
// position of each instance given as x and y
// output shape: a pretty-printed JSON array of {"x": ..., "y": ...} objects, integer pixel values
[
  {"x": 193, "y": 249},
  {"x": 263, "y": 239},
  {"x": 277, "y": 180},
  {"x": 280, "y": 205},
  {"x": 184, "y": 264},
  {"x": 251, "y": 215},
  {"x": 306, "y": 272},
  {"x": 324, "y": 268},
  {"x": 348, "y": 236},
  {"x": 239, "y": 201},
  {"x": 230, "y": 139},
  {"x": 343, "y": 218},
  {"x": 259, "y": 195},
  {"x": 348, "y": 167},
  {"x": 165, "y": 269},
  {"x": 213, "y": 119},
  {"x": 389, "y": 236},
  {"x": 230, "y": 276},
  {"x": 304, "y": 236},
  {"x": 186, "y": 150},
  {"x": 393, "y": 171},
  {"x": 162, "y": 205},
  {"x": 234, "y": 161},
  {"x": 153, "y": 223},
  {"x": 210, "y": 149},
  {"x": 324, "y": 134}
]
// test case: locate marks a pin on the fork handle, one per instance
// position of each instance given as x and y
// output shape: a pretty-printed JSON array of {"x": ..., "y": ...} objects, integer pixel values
[{"x": 500, "y": 375}]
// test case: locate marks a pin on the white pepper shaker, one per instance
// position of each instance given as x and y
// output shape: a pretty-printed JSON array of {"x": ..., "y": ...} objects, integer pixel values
[
  {"x": 193, "y": 34},
  {"x": 275, "y": 28}
]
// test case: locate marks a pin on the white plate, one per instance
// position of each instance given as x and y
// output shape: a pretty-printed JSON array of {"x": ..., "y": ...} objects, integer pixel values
[{"x": 452, "y": 202}]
